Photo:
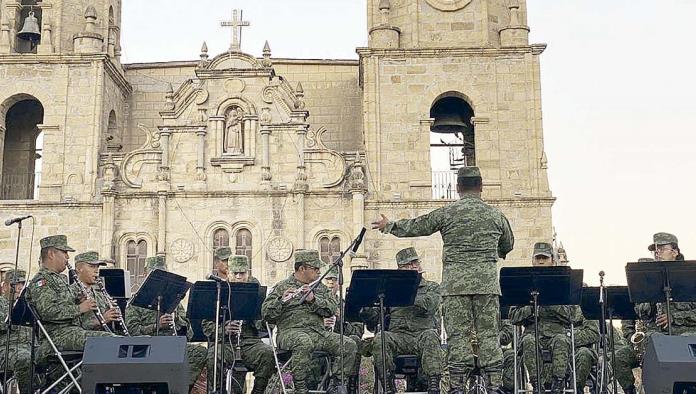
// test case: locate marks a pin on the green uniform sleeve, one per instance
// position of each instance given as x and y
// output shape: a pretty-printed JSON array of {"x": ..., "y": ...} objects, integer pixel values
[
  {"x": 324, "y": 304},
  {"x": 53, "y": 302},
  {"x": 507, "y": 239},
  {"x": 272, "y": 306},
  {"x": 430, "y": 299},
  {"x": 628, "y": 328},
  {"x": 427, "y": 224},
  {"x": 520, "y": 315},
  {"x": 135, "y": 320},
  {"x": 586, "y": 331},
  {"x": 506, "y": 333}
]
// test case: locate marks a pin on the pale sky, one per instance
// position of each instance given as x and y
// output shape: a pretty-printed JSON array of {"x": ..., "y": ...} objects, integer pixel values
[{"x": 617, "y": 88}]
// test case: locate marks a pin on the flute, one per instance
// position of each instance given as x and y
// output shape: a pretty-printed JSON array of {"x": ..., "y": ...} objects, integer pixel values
[{"x": 298, "y": 291}]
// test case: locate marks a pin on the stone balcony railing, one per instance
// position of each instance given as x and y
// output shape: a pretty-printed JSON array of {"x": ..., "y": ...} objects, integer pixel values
[{"x": 19, "y": 186}]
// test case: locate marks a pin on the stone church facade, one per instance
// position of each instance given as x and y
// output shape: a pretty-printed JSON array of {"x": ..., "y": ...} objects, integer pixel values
[{"x": 263, "y": 154}]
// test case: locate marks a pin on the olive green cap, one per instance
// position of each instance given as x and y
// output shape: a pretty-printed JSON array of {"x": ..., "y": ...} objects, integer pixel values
[
  {"x": 90, "y": 257},
  {"x": 155, "y": 262},
  {"x": 16, "y": 276},
  {"x": 406, "y": 256},
  {"x": 308, "y": 257},
  {"x": 646, "y": 260},
  {"x": 223, "y": 253},
  {"x": 59, "y": 242},
  {"x": 543, "y": 249},
  {"x": 662, "y": 239},
  {"x": 238, "y": 263},
  {"x": 332, "y": 273},
  {"x": 468, "y": 172}
]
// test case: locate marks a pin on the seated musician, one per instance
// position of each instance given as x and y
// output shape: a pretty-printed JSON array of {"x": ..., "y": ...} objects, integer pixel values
[
  {"x": 586, "y": 337},
  {"x": 141, "y": 321},
  {"x": 653, "y": 318},
  {"x": 300, "y": 325},
  {"x": 255, "y": 354},
  {"x": 554, "y": 332},
  {"x": 59, "y": 307},
  {"x": 87, "y": 268},
  {"x": 412, "y": 329},
  {"x": 19, "y": 362}
]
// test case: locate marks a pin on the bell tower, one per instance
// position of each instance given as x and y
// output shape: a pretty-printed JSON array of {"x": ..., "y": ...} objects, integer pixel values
[
  {"x": 61, "y": 58},
  {"x": 452, "y": 83}
]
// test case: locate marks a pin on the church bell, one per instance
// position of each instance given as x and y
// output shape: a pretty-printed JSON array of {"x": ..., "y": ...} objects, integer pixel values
[
  {"x": 449, "y": 123},
  {"x": 30, "y": 30}
]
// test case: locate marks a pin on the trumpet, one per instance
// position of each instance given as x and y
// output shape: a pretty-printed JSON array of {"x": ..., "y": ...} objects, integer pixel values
[
  {"x": 112, "y": 304},
  {"x": 298, "y": 291}
]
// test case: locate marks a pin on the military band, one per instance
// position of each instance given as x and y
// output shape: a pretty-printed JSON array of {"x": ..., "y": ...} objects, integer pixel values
[{"x": 306, "y": 316}]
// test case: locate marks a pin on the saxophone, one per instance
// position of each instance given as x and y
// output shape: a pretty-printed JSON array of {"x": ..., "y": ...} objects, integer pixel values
[
  {"x": 112, "y": 304},
  {"x": 638, "y": 340},
  {"x": 84, "y": 291}
]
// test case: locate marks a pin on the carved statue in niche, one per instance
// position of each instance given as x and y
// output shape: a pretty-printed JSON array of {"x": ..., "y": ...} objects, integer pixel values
[{"x": 234, "y": 131}]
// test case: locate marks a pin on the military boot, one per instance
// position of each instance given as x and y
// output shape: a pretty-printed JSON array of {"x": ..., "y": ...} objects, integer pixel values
[
  {"x": 335, "y": 386},
  {"x": 557, "y": 386},
  {"x": 434, "y": 384},
  {"x": 630, "y": 390}
]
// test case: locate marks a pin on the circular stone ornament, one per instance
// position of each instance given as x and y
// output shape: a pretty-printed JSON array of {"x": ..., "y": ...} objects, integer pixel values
[
  {"x": 448, "y": 5},
  {"x": 279, "y": 249},
  {"x": 182, "y": 250}
]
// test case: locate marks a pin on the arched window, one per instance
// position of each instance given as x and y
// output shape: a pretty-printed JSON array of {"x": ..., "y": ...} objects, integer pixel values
[
  {"x": 136, "y": 253},
  {"x": 220, "y": 238},
  {"x": 243, "y": 243},
  {"x": 329, "y": 249},
  {"x": 452, "y": 143},
  {"x": 22, "y": 150},
  {"x": 113, "y": 135}
]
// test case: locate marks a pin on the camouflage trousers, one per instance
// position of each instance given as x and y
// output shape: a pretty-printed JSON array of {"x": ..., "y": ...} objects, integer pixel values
[
  {"x": 317, "y": 365},
  {"x": 255, "y": 354},
  {"x": 303, "y": 342},
  {"x": 509, "y": 369},
  {"x": 559, "y": 347},
  {"x": 196, "y": 355},
  {"x": 585, "y": 359},
  {"x": 19, "y": 364},
  {"x": 463, "y": 316},
  {"x": 626, "y": 360},
  {"x": 425, "y": 345}
]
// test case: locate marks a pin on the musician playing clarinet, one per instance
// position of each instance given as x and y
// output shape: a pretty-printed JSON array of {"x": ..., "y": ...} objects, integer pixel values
[
  {"x": 87, "y": 268},
  {"x": 300, "y": 322},
  {"x": 141, "y": 321},
  {"x": 241, "y": 338}
]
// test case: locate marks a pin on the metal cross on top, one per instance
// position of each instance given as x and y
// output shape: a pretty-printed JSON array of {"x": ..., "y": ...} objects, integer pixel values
[{"x": 236, "y": 24}]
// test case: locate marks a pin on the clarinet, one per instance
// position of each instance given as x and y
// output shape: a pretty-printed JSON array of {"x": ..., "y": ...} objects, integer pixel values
[
  {"x": 112, "y": 304},
  {"x": 85, "y": 292}
]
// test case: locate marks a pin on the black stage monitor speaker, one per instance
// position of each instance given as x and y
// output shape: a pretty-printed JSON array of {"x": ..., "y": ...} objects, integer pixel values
[
  {"x": 124, "y": 364},
  {"x": 669, "y": 366}
]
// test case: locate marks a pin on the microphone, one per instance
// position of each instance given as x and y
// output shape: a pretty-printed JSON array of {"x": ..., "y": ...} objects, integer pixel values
[
  {"x": 357, "y": 242},
  {"x": 215, "y": 278},
  {"x": 10, "y": 222},
  {"x": 601, "y": 273}
]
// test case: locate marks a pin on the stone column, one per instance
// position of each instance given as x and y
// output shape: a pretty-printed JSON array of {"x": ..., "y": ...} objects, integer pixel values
[
  {"x": 162, "y": 222},
  {"x": 108, "y": 208},
  {"x": 301, "y": 238},
  {"x": 266, "y": 147},
  {"x": 217, "y": 125},
  {"x": 301, "y": 186},
  {"x": 164, "y": 143},
  {"x": 200, "y": 157},
  {"x": 357, "y": 189}
]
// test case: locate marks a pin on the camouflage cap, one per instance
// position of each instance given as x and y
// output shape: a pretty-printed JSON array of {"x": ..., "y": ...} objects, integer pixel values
[
  {"x": 662, "y": 239},
  {"x": 469, "y": 172},
  {"x": 646, "y": 260},
  {"x": 238, "y": 263},
  {"x": 155, "y": 262},
  {"x": 405, "y": 256},
  {"x": 91, "y": 258},
  {"x": 332, "y": 273},
  {"x": 543, "y": 249},
  {"x": 59, "y": 242},
  {"x": 308, "y": 257},
  {"x": 16, "y": 276},
  {"x": 223, "y": 253}
]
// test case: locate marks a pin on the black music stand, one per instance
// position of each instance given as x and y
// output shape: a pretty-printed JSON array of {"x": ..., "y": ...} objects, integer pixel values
[
  {"x": 117, "y": 285},
  {"x": 617, "y": 306},
  {"x": 22, "y": 315},
  {"x": 662, "y": 281},
  {"x": 161, "y": 291},
  {"x": 233, "y": 301},
  {"x": 540, "y": 286},
  {"x": 382, "y": 288}
]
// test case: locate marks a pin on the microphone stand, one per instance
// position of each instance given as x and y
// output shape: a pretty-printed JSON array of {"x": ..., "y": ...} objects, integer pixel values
[
  {"x": 338, "y": 263},
  {"x": 6, "y": 358},
  {"x": 217, "y": 332},
  {"x": 603, "y": 386}
]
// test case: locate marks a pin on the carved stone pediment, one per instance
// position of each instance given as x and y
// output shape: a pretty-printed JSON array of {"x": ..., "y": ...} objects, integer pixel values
[{"x": 325, "y": 166}]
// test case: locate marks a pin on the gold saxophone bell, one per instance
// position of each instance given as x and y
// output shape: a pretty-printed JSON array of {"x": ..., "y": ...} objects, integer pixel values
[{"x": 638, "y": 341}]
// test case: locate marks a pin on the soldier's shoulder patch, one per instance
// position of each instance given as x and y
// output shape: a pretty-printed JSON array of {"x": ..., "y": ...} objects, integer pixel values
[{"x": 40, "y": 283}]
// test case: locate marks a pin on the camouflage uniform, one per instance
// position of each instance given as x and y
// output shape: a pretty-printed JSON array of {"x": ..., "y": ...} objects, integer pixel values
[
  {"x": 301, "y": 326},
  {"x": 683, "y": 323},
  {"x": 141, "y": 321},
  {"x": 506, "y": 337},
  {"x": 586, "y": 337},
  {"x": 57, "y": 306},
  {"x": 257, "y": 355},
  {"x": 411, "y": 329},
  {"x": 20, "y": 338},
  {"x": 475, "y": 235},
  {"x": 89, "y": 321}
]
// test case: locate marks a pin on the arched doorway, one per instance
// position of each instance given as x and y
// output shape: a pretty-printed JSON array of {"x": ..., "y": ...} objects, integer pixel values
[{"x": 22, "y": 150}]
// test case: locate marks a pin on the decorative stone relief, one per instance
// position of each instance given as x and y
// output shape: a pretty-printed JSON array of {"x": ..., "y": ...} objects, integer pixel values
[
  {"x": 134, "y": 162},
  {"x": 448, "y": 5},
  {"x": 182, "y": 250},
  {"x": 323, "y": 163},
  {"x": 279, "y": 249}
]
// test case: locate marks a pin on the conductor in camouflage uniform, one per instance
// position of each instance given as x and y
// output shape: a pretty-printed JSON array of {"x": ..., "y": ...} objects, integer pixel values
[
  {"x": 665, "y": 247},
  {"x": 141, "y": 321},
  {"x": 255, "y": 354},
  {"x": 412, "y": 329},
  {"x": 475, "y": 235},
  {"x": 301, "y": 327},
  {"x": 20, "y": 337}
]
